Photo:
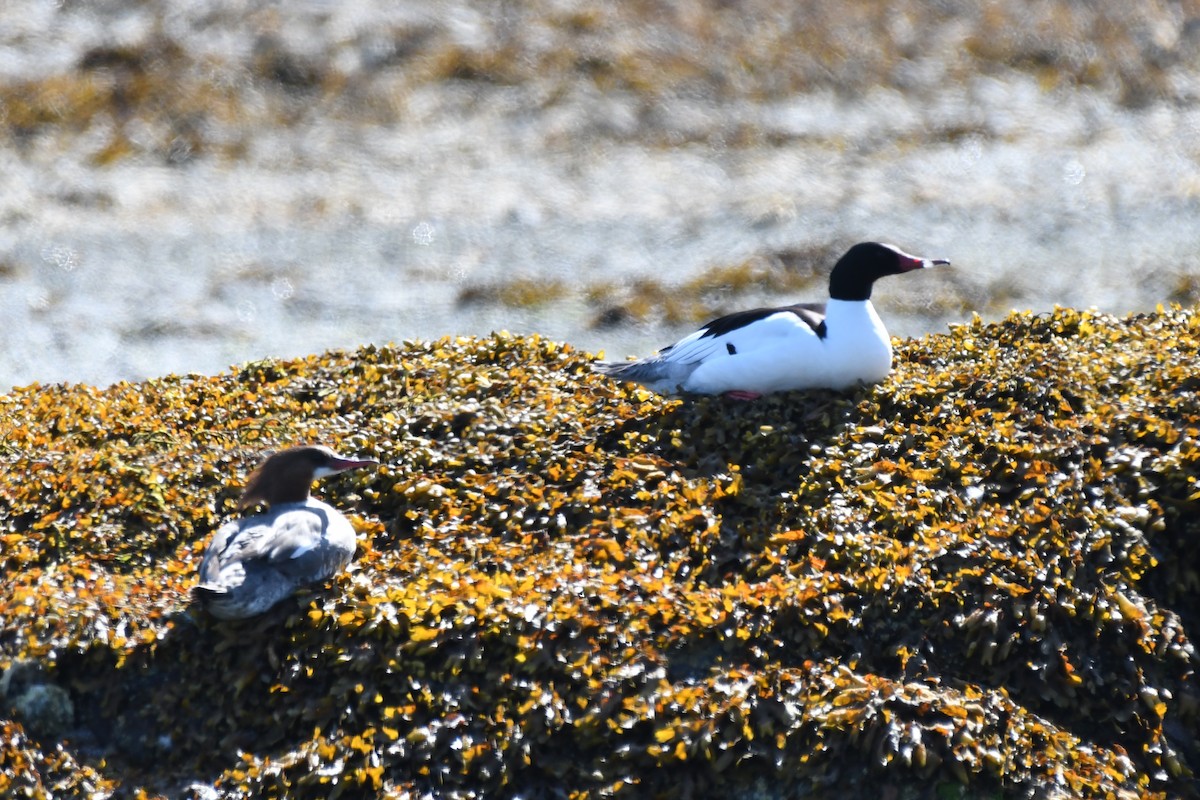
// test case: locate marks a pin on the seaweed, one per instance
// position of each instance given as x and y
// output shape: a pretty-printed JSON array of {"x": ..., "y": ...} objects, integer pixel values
[{"x": 980, "y": 573}]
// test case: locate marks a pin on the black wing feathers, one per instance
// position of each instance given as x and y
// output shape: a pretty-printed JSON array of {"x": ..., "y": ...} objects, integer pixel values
[{"x": 811, "y": 313}]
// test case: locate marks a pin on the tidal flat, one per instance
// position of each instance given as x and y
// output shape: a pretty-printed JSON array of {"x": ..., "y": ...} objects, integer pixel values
[{"x": 189, "y": 186}]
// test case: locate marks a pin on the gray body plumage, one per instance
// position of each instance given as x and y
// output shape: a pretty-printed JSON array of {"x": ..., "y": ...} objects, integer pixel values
[
  {"x": 252, "y": 564},
  {"x": 656, "y": 373}
]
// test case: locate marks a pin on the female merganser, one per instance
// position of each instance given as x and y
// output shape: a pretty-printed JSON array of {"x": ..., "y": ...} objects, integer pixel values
[
  {"x": 833, "y": 345},
  {"x": 253, "y": 563}
]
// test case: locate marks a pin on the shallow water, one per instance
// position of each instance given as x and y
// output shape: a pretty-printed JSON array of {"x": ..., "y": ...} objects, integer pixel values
[{"x": 334, "y": 233}]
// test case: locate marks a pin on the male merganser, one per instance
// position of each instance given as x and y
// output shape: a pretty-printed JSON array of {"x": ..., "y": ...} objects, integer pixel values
[
  {"x": 253, "y": 563},
  {"x": 747, "y": 354}
]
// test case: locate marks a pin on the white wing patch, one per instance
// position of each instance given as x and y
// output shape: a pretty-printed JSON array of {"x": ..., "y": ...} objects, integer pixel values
[
  {"x": 296, "y": 533},
  {"x": 299, "y": 551},
  {"x": 691, "y": 349}
]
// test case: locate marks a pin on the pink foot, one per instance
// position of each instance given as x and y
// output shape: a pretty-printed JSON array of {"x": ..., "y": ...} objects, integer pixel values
[{"x": 738, "y": 394}]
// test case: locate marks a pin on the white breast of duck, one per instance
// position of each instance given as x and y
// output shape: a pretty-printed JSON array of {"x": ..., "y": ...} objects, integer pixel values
[
  {"x": 834, "y": 345},
  {"x": 252, "y": 564}
]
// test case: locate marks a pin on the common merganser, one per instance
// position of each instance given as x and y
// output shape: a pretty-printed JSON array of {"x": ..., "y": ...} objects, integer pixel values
[
  {"x": 744, "y": 355},
  {"x": 253, "y": 563}
]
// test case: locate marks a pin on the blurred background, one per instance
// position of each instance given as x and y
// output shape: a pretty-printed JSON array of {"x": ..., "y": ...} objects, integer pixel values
[{"x": 188, "y": 185}]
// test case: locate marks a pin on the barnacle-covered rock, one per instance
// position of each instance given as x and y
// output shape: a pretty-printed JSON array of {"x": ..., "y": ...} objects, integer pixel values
[
  {"x": 980, "y": 573},
  {"x": 44, "y": 709},
  {"x": 41, "y": 706}
]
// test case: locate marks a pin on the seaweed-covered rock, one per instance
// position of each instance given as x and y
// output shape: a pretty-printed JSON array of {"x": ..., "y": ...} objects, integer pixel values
[
  {"x": 981, "y": 572},
  {"x": 44, "y": 709},
  {"x": 41, "y": 706}
]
